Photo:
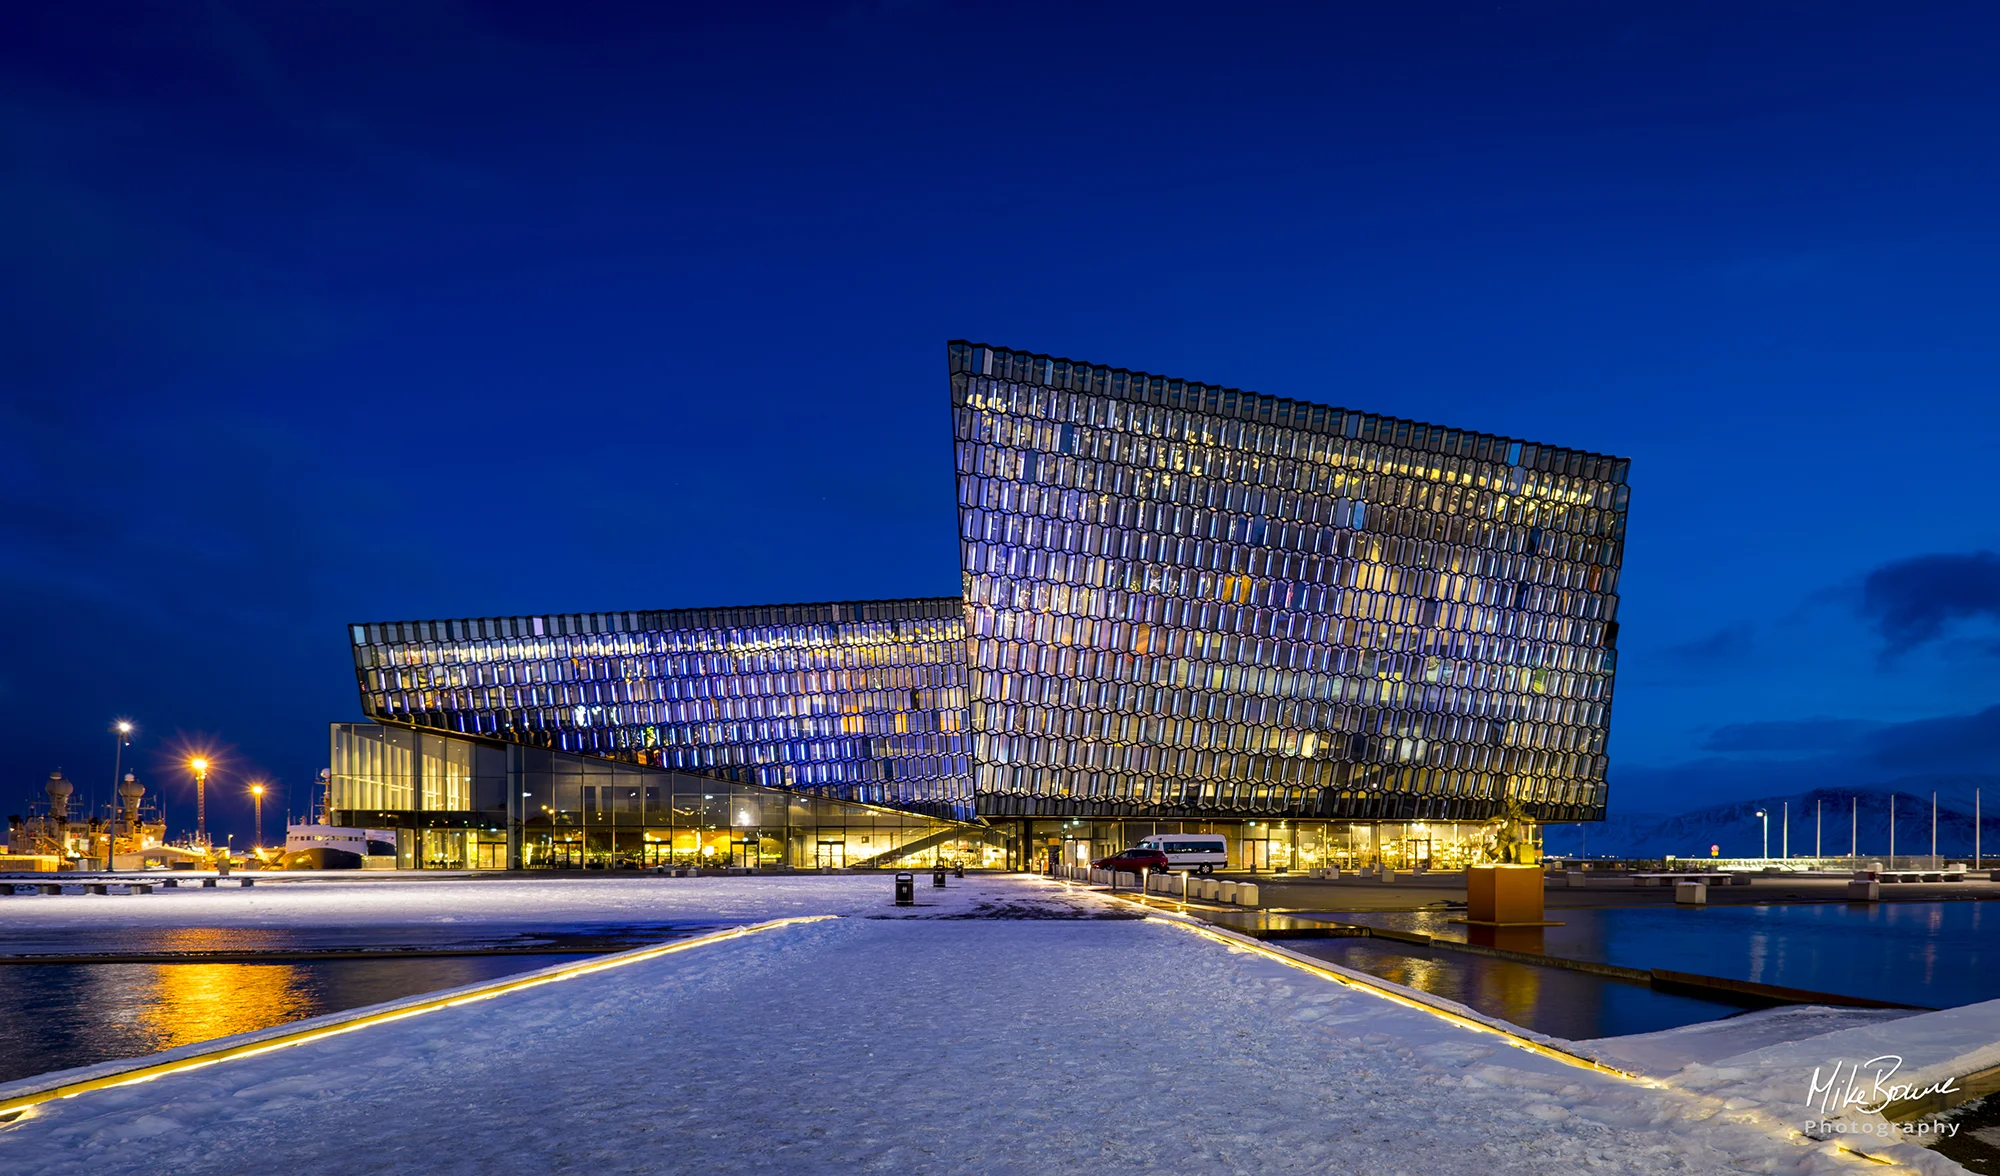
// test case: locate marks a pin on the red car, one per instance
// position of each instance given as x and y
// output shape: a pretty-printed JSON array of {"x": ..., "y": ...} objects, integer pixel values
[{"x": 1133, "y": 861}]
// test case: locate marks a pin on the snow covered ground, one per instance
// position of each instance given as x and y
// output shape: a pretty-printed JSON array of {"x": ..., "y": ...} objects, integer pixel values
[
  {"x": 361, "y": 900},
  {"x": 1667, "y": 1052},
  {"x": 1005, "y": 1028}
]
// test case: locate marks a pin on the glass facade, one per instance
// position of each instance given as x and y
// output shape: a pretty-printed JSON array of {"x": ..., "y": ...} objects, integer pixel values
[
  {"x": 1182, "y": 598},
  {"x": 463, "y": 803},
  {"x": 855, "y": 701},
  {"x": 1277, "y": 845},
  {"x": 1181, "y": 602}
]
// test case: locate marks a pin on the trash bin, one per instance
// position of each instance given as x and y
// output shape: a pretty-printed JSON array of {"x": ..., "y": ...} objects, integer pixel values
[
  {"x": 937, "y": 877},
  {"x": 959, "y": 869},
  {"x": 906, "y": 890}
]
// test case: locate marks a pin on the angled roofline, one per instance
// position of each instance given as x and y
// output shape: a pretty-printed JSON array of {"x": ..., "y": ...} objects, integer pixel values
[{"x": 1029, "y": 367}]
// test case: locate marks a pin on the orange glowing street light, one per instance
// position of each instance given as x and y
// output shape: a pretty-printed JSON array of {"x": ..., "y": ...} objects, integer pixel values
[
  {"x": 122, "y": 731},
  {"x": 199, "y": 766},
  {"x": 257, "y": 795}
]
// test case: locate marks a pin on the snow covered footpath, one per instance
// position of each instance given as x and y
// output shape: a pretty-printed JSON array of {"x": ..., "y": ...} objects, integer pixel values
[
  {"x": 362, "y": 900},
  {"x": 1000, "y": 1030}
]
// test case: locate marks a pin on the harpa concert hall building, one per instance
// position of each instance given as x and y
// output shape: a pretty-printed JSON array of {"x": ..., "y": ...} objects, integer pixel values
[{"x": 1331, "y": 636}]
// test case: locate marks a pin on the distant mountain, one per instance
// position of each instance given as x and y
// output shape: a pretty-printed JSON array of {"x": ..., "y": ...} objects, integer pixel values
[{"x": 1736, "y": 831}]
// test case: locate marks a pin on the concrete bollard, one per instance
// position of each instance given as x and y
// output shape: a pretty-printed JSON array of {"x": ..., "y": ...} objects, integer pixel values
[
  {"x": 49, "y": 887},
  {"x": 208, "y": 884},
  {"x": 1388, "y": 875},
  {"x": 1576, "y": 879},
  {"x": 1739, "y": 879},
  {"x": 1691, "y": 893},
  {"x": 141, "y": 888},
  {"x": 1868, "y": 890},
  {"x": 96, "y": 888},
  {"x": 1246, "y": 894},
  {"x": 1226, "y": 891},
  {"x": 1177, "y": 884},
  {"x": 170, "y": 884},
  {"x": 247, "y": 883}
]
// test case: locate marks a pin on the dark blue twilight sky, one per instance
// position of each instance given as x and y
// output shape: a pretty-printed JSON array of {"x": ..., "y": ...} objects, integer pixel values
[{"x": 312, "y": 313}]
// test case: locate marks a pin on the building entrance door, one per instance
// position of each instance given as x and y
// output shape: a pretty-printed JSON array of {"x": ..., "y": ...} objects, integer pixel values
[
  {"x": 830, "y": 855},
  {"x": 1257, "y": 854},
  {"x": 1076, "y": 851},
  {"x": 743, "y": 850}
]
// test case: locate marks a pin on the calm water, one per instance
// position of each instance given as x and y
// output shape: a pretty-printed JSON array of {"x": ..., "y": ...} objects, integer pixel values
[
  {"x": 1934, "y": 954},
  {"x": 55, "y": 1016},
  {"x": 1555, "y": 1001},
  {"x": 59, "y": 1016}
]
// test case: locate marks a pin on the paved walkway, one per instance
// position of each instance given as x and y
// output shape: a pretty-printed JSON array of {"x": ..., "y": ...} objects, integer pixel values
[{"x": 950, "y": 1043}]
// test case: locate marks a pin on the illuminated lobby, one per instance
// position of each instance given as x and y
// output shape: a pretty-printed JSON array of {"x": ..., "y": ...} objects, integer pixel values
[{"x": 1333, "y": 637}]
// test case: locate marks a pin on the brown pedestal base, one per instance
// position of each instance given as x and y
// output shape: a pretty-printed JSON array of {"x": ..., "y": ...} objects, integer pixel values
[{"x": 1501, "y": 895}]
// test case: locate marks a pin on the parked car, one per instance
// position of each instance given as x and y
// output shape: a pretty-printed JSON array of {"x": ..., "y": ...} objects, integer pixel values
[
  {"x": 1195, "y": 852},
  {"x": 1133, "y": 861}
]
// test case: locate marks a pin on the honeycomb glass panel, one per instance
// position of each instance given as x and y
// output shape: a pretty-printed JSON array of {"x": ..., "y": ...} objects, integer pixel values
[
  {"x": 1191, "y": 599},
  {"x": 859, "y": 701}
]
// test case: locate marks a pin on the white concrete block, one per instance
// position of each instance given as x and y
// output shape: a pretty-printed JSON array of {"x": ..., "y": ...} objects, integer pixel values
[
  {"x": 1691, "y": 893},
  {"x": 1246, "y": 894}
]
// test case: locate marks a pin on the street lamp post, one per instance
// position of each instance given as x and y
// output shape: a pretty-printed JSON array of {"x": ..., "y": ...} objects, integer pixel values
[
  {"x": 119, "y": 731},
  {"x": 1766, "y": 819},
  {"x": 257, "y": 797},
  {"x": 200, "y": 769}
]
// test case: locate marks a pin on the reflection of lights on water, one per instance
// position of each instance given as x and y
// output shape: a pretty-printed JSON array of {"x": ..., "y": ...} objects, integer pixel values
[{"x": 200, "y": 1002}]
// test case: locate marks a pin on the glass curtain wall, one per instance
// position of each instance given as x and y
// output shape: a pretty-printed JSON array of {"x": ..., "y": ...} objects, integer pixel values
[
  {"x": 581, "y": 812},
  {"x": 1281, "y": 845},
  {"x": 1188, "y": 598},
  {"x": 860, "y": 701}
]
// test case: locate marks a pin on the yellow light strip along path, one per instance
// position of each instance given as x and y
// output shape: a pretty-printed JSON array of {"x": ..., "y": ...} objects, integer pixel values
[
  {"x": 147, "y": 1073},
  {"x": 1306, "y": 964},
  {"x": 1460, "y": 1019}
]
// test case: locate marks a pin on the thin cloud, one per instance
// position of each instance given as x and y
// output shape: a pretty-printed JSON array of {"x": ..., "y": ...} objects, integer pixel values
[{"x": 1912, "y": 601}]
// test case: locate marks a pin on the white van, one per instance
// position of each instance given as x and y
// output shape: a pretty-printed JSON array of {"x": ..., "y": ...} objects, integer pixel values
[{"x": 1200, "y": 853}]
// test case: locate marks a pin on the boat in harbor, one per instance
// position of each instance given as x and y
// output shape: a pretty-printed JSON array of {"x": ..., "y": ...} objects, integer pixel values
[{"x": 337, "y": 847}]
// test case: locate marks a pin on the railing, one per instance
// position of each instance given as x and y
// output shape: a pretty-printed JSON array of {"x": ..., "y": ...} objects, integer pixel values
[{"x": 1841, "y": 864}]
